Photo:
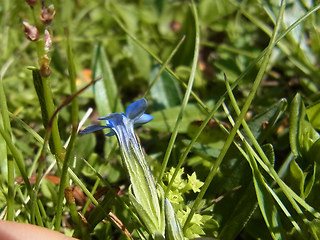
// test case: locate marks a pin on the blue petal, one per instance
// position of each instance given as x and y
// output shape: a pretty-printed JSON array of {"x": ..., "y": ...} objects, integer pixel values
[
  {"x": 109, "y": 116},
  {"x": 111, "y": 133},
  {"x": 93, "y": 128},
  {"x": 136, "y": 109},
  {"x": 143, "y": 119}
]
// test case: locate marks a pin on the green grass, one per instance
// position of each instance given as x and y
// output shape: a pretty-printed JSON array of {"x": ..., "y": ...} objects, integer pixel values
[{"x": 234, "y": 89}]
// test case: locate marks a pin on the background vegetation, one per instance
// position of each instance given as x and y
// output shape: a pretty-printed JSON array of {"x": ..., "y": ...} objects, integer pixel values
[{"x": 259, "y": 182}]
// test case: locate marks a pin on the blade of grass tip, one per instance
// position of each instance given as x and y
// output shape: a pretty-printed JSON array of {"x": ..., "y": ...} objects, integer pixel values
[
  {"x": 164, "y": 66},
  {"x": 186, "y": 96},
  {"x": 255, "y": 156},
  {"x": 74, "y": 120},
  {"x": 244, "y": 110}
]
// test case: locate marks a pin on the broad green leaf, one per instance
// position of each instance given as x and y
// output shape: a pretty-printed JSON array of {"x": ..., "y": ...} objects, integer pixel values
[
  {"x": 262, "y": 124},
  {"x": 241, "y": 214},
  {"x": 165, "y": 93},
  {"x": 128, "y": 14},
  {"x": 140, "y": 57},
  {"x": 184, "y": 55},
  {"x": 105, "y": 90},
  {"x": 314, "y": 151},
  {"x": 164, "y": 120},
  {"x": 212, "y": 134},
  {"x": 313, "y": 113},
  {"x": 212, "y": 10}
]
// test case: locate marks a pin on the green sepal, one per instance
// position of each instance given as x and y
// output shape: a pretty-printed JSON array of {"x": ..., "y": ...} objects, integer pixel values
[{"x": 173, "y": 228}]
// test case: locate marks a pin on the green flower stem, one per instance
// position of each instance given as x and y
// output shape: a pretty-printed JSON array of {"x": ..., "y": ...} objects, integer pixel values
[
  {"x": 57, "y": 148},
  {"x": 186, "y": 96},
  {"x": 74, "y": 133},
  {"x": 234, "y": 130}
]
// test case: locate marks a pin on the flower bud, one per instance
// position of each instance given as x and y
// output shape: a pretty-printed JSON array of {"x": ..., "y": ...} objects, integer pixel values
[
  {"x": 47, "y": 40},
  {"x": 47, "y": 14},
  {"x": 31, "y": 2},
  {"x": 45, "y": 70},
  {"x": 30, "y": 31}
]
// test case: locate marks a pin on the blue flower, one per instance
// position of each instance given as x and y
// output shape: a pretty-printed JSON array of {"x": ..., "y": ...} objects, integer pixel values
[
  {"x": 118, "y": 122},
  {"x": 143, "y": 192}
]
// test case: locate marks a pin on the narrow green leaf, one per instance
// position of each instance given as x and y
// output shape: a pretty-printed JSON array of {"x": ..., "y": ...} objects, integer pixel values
[
  {"x": 295, "y": 111},
  {"x": 311, "y": 182},
  {"x": 269, "y": 151},
  {"x": 173, "y": 227},
  {"x": 296, "y": 178},
  {"x": 97, "y": 215},
  {"x": 144, "y": 216},
  {"x": 37, "y": 81},
  {"x": 266, "y": 202}
]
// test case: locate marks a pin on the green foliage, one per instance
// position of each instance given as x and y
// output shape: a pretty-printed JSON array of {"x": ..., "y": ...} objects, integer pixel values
[{"x": 246, "y": 170}]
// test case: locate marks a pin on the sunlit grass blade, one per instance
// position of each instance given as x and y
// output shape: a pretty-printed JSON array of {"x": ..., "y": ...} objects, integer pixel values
[
  {"x": 265, "y": 163},
  {"x": 244, "y": 110},
  {"x": 266, "y": 202},
  {"x": 74, "y": 133},
  {"x": 185, "y": 100}
]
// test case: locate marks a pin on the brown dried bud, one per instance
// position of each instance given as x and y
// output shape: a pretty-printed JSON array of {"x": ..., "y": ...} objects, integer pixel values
[
  {"x": 31, "y": 2},
  {"x": 47, "y": 14},
  {"x": 30, "y": 31},
  {"x": 69, "y": 196},
  {"x": 47, "y": 40},
  {"x": 45, "y": 70}
]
